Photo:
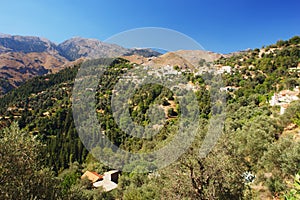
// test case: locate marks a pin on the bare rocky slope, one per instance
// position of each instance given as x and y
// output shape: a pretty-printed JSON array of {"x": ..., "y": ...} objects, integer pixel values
[
  {"x": 17, "y": 67},
  {"x": 184, "y": 59},
  {"x": 25, "y": 44}
]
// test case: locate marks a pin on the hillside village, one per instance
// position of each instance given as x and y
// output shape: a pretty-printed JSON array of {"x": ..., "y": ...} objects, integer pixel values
[{"x": 284, "y": 98}]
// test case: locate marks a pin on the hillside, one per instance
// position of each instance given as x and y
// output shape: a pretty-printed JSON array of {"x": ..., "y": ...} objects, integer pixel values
[
  {"x": 43, "y": 104},
  {"x": 190, "y": 60},
  {"x": 257, "y": 139},
  {"x": 17, "y": 67}
]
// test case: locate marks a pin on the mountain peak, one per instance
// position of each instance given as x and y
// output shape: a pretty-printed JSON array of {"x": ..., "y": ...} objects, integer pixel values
[
  {"x": 25, "y": 44},
  {"x": 78, "y": 47}
]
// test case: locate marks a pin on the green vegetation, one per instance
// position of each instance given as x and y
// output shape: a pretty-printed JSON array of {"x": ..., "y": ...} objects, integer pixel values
[
  {"x": 47, "y": 151},
  {"x": 22, "y": 174},
  {"x": 294, "y": 193}
]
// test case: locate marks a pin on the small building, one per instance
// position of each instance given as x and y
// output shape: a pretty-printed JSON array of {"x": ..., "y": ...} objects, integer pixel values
[
  {"x": 92, "y": 176},
  {"x": 112, "y": 175},
  {"x": 283, "y": 107},
  {"x": 284, "y": 98},
  {"x": 109, "y": 181},
  {"x": 107, "y": 185},
  {"x": 224, "y": 69},
  {"x": 228, "y": 89}
]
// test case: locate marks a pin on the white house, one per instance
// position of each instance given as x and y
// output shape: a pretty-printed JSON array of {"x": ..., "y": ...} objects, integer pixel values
[
  {"x": 224, "y": 69},
  {"x": 109, "y": 181},
  {"x": 284, "y": 98}
]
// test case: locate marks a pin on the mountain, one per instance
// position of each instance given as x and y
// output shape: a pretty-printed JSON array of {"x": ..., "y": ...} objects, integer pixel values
[
  {"x": 25, "y": 44},
  {"x": 143, "y": 52},
  {"x": 24, "y": 57},
  {"x": 78, "y": 47}
]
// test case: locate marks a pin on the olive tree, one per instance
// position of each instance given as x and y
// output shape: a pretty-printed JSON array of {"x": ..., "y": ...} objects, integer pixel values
[{"x": 21, "y": 173}]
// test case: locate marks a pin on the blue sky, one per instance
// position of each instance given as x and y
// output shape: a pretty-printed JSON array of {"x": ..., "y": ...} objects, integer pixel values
[{"x": 220, "y": 26}]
